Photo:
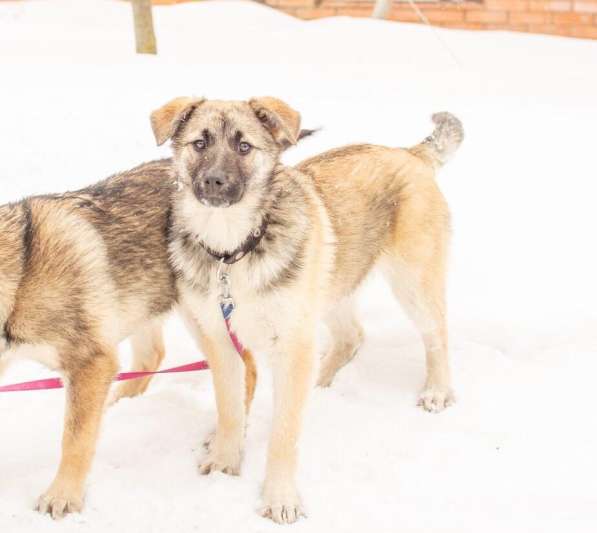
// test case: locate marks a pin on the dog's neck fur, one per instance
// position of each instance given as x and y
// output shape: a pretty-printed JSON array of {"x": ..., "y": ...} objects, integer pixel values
[
  {"x": 224, "y": 230},
  {"x": 277, "y": 258}
]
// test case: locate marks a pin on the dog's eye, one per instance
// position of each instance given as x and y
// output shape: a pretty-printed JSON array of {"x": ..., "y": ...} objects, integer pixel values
[
  {"x": 244, "y": 148},
  {"x": 200, "y": 145}
]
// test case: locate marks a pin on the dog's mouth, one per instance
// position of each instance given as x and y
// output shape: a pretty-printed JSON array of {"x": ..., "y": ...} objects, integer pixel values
[
  {"x": 214, "y": 201},
  {"x": 230, "y": 195}
]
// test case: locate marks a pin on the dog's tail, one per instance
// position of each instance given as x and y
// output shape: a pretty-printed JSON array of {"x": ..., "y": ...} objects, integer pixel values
[{"x": 443, "y": 142}]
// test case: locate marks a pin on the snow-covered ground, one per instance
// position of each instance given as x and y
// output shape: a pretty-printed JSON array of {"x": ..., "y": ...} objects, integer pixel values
[{"x": 517, "y": 452}]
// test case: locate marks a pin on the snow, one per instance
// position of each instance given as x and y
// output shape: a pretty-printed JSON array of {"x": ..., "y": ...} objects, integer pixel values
[{"x": 517, "y": 452}]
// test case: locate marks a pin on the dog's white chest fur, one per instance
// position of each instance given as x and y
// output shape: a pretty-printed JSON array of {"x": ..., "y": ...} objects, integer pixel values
[{"x": 257, "y": 320}]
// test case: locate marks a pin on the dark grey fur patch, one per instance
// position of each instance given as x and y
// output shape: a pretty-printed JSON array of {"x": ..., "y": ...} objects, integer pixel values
[
  {"x": 6, "y": 336},
  {"x": 130, "y": 213},
  {"x": 27, "y": 231}
]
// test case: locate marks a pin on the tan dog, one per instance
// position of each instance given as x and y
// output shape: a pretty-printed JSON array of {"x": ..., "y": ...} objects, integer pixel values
[
  {"x": 299, "y": 242},
  {"x": 80, "y": 272}
]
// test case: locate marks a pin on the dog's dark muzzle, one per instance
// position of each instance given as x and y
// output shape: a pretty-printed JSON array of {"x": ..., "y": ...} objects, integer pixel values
[{"x": 216, "y": 190}]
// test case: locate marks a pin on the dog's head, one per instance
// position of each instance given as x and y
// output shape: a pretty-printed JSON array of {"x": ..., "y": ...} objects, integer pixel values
[{"x": 223, "y": 150}]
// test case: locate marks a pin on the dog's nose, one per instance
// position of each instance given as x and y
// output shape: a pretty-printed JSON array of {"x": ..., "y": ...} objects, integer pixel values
[{"x": 213, "y": 184}]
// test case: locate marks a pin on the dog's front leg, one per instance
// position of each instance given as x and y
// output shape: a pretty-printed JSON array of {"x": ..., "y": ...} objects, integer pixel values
[
  {"x": 87, "y": 389},
  {"x": 227, "y": 368},
  {"x": 293, "y": 372}
]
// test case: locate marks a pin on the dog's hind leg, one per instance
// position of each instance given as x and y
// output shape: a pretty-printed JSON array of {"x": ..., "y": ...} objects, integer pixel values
[
  {"x": 419, "y": 287},
  {"x": 87, "y": 388},
  {"x": 148, "y": 352},
  {"x": 4, "y": 363},
  {"x": 347, "y": 337},
  {"x": 4, "y": 358}
]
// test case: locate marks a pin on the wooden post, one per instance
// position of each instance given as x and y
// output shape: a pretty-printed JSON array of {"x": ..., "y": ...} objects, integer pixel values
[
  {"x": 381, "y": 9},
  {"x": 144, "y": 34}
]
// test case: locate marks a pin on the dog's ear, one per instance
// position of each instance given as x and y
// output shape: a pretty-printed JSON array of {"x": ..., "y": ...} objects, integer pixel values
[
  {"x": 168, "y": 118},
  {"x": 307, "y": 133},
  {"x": 283, "y": 122}
]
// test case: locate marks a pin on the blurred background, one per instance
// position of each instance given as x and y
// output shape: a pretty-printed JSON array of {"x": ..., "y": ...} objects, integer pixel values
[{"x": 573, "y": 18}]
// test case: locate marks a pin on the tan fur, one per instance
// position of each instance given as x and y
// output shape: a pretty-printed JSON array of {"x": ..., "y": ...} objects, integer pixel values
[
  {"x": 389, "y": 211},
  {"x": 166, "y": 119},
  {"x": 331, "y": 220},
  {"x": 250, "y": 378},
  {"x": 283, "y": 122},
  {"x": 148, "y": 353},
  {"x": 80, "y": 272}
]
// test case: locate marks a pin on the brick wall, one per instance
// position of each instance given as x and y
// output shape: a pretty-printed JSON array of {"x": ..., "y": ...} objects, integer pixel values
[{"x": 572, "y": 18}]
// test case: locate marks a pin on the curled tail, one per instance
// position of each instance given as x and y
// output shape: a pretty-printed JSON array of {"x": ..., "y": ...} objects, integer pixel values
[{"x": 443, "y": 142}]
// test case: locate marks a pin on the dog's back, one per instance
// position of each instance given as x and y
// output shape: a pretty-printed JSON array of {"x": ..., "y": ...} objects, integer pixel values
[
  {"x": 380, "y": 198},
  {"x": 90, "y": 260},
  {"x": 368, "y": 192},
  {"x": 131, "y": 211}
]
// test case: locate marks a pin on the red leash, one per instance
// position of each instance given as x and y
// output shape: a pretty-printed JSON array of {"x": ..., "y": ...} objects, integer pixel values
[
  {"x": 227, "y": 308},
  {"x": 56, "y": 383}
]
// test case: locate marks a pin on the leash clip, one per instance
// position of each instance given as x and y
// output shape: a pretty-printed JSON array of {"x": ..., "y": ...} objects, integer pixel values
[
  {"x": 227, "y": 303},
  {"x": 223, "y": 277}
]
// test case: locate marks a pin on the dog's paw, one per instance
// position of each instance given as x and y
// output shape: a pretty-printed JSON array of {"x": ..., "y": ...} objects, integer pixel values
[
  {"x": 215, "y": 464},
  {"x": 283, "y": 506},
  {"x": 435, "y": 399},
  {"x": 220, "y": 460},
  {"x": 128, "y": 389},
  {"x": 58, "y": 502}
]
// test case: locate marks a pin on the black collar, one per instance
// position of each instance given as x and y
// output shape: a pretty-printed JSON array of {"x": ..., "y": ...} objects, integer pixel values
[{"x": 246, "y": 247}]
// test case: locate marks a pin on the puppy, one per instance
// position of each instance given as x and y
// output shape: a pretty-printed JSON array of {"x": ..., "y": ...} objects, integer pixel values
[
  {"x": 79, "y": 273},
  {"x": 294, "y": 245}
]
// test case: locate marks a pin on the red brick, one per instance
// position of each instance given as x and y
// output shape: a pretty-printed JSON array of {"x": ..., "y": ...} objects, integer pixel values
[
  {"x": 354, "y": 11},
  {"x": 572, "y": 19},
  {"x": 508, "y": 27},
  {"x": 288, "y": 10},
  {"x": 423, "y": 6},
  {"x": 585, "y": 7},
  {"x": 544, "y": 28},
  {"x": 404, "y": 15},
  {"x": 506, "y": 5},
  {"x": 491, "y": 17},
  {"x": 561, "y": 17},
  {"x": 344, "y": 3},
  {"x": 295, "y": 3},
  {"x": 442, "y": 15},
  {"x": 464, "y": 25},
  {"x": 584, "y": 32},
  {"x": 550, "y": 5},
  {"x": 309, "y": 13},
  {"x": 530, "y": 18}
]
